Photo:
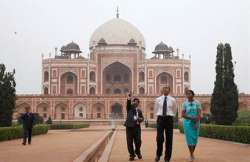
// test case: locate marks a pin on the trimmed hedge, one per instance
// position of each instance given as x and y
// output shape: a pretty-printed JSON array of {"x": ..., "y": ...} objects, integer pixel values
[
  {"x": 8, "y": 133},
  {"x": 68, "y": 126},
  {"x": 231, "y": 133}
]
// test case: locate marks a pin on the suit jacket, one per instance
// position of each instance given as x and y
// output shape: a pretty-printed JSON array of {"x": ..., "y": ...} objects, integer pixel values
[
  {"x": 28, "y": 120},
  {"x": 131, "y": 112}
]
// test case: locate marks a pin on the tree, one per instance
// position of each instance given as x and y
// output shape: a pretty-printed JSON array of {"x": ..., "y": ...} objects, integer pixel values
[
  {"x": 224, "y": 101},
  {"x": 217, "y": 98},
  {"x": 7, "y": 96},
  {"x": 230, "y": 88}
]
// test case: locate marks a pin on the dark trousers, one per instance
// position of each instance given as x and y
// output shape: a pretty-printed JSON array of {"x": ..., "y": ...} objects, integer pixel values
[
  {"x": 133, "y": 137},
  {"x": 164, "y": 123},
  {"x": 27, "y": 133}
]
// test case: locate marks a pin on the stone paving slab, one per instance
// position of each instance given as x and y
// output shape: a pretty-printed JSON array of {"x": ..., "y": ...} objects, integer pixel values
[
  {"x": 56, "y": 146},
  {"x": 208, "y": 150}
]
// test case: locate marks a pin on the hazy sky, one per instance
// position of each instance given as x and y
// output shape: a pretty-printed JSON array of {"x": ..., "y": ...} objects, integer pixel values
[{"x": 193, "y": 26}]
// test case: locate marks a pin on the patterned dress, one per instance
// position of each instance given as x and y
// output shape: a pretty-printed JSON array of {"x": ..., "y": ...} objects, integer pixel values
[{"x": 191, "y": 133}]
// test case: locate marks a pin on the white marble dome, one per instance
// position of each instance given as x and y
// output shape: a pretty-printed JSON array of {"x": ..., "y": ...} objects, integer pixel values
[{"x": 117, "y": 32}]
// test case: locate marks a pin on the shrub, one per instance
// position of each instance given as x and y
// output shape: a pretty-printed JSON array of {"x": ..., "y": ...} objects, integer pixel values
[
  {"x": 40, "y": 129},
  {"x": 49, "y": 121},
  {"x": 38, "y": 119},
  {"x": 231, "y": 133},
  {"x": 8, "y": 133},
  {"x": 68, "y": 126},
  {"x": 206, "y": 119},
  {"x": 243, "y": 118}
]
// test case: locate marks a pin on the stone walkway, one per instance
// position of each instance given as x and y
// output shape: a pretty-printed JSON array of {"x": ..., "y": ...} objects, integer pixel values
[
  {"x": 56, "y": 146},
  {"x": 208, "y": 150},
  {"x": 65, "y": 146}
]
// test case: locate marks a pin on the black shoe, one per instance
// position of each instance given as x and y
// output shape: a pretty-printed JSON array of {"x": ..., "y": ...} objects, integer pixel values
[
  {"x": 165, "y": 160},
  {"x": 24, "y": 144},
  {"x": 139, "y": 156},
  {"x": 29, "y": 143},
  {"x": 132, "y": 158},
  {"x": 157, "y": 159}
]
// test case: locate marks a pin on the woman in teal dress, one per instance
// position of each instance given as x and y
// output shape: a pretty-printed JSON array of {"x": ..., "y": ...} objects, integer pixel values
[{"x": 191, "y": 113}]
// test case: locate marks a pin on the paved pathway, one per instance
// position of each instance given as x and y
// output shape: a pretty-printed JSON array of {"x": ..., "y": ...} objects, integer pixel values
[
  {"x": 65, "y": 146},
  {"x": 208, "y": 150},
  {"x": 56, "y": 146}
]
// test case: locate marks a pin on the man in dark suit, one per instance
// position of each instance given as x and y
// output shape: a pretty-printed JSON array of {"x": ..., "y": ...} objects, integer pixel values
[
  {"x": 133, "y": 127},
  {"x": 28, "y": 121}
]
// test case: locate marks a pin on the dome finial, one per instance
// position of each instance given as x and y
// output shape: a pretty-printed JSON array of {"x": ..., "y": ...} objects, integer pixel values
[{"x": 117, "y": 12}]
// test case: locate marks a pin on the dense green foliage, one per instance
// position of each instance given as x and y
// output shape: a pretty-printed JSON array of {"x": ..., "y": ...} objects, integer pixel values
[
  {"x": 231, "y": 133},
  {"x": 243, "y": 118},
  {"x": 8, "y": 133},
  {"x": 7, "y": 96},
  {"x": 224, "y": 100},
  {"x": 49, "y": 121}
]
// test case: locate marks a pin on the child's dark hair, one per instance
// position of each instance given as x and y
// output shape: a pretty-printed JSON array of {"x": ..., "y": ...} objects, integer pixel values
[
  {"x": 136, "y": 99},
  {"x": 191, "y": 91}
]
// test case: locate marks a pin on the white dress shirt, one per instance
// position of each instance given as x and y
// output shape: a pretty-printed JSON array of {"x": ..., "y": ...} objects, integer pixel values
[
  {"x": 171, "y": 106},
  {"x": 137, "y": 115}
]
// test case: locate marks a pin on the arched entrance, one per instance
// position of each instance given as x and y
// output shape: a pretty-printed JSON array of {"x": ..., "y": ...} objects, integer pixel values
[
  {"x": 80, "y": 111},
  {"x": 164, "y": 79},
  {"x": 150, "y": 111},
  {"x": 61, "y": 111},
  {"x": 43, "y": 110},
  {"x": 116, "y": 111},
  {"x": 98, "y": 111},
  {"x": 68, "y": 84},
  {"x": 116, "y": 77}
]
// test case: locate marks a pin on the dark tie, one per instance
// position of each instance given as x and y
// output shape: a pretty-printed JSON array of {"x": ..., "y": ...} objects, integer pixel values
[{"x": 165, "y": 107}]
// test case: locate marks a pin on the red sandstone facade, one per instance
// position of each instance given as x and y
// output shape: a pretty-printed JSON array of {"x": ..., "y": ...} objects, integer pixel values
[{"x": 78, "y": 88}]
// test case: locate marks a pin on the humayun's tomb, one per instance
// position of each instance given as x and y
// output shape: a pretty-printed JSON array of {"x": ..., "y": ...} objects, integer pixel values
[{"x": 94, "y": 88}]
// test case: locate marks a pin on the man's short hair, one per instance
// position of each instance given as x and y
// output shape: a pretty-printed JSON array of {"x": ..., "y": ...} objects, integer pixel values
[
  {"x": 166, "y": 87},
  {"x": 27, "y": 108},
  {"x": 136, "y": 99}
]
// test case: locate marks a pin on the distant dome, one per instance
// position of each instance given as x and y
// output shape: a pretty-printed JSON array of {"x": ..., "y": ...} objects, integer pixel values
[
  {"x": 102, "y": 42},
  {"x": 71, "y": 47},
  {"x": 171, "y": 49},
  {"x": 117, "y": 32},
  {"x": 162, "y": 48},
  {"x": 62, "y": 48},
  {"x": 132, "y": 42}
]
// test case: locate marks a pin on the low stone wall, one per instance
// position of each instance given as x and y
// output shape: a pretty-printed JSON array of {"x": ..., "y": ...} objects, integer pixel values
[{"x": 95, "y": 151}]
